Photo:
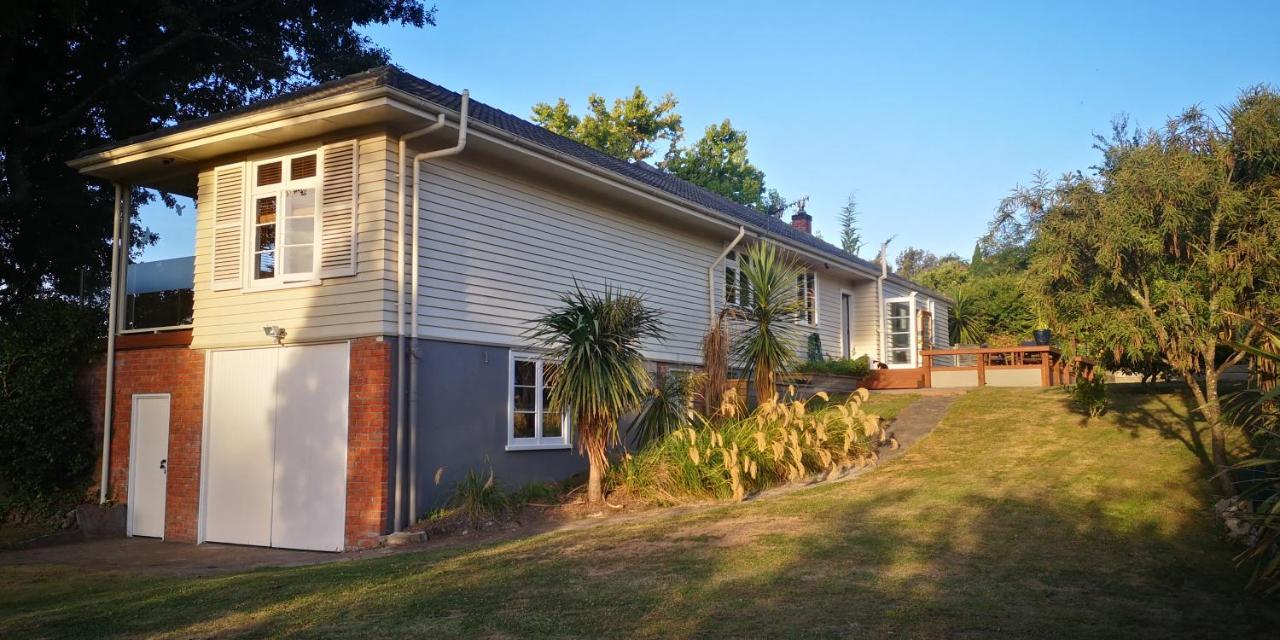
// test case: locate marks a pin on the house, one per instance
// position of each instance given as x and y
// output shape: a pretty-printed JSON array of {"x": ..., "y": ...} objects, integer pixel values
[{"x": 368, "y": 254}]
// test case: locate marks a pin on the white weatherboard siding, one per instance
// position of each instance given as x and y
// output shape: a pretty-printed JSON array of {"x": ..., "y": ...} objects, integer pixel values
[
  {"x": 497, "y": 251},
  {"x": 343, "y": 307}
]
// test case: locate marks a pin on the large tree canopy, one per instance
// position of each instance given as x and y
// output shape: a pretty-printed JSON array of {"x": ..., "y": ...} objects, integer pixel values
[
  {"x": 1175, "y": 233},
  {"x": 629, "y": 130},
  {"x": 80, "y": 73},
  {"x": 718, "y": 161},
  {"x": 634, "y": 127}
]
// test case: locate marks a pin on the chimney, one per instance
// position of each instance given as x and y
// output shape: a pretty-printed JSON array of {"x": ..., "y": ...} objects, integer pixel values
[{"x": 801, "y": 220}]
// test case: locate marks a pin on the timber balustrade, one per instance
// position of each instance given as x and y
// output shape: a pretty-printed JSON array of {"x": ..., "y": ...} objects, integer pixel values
[{"x": 1001, "y": 366}]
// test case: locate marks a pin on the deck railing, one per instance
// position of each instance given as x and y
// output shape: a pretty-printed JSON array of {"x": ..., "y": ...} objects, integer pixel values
[{"x": 1001, "y": 366}]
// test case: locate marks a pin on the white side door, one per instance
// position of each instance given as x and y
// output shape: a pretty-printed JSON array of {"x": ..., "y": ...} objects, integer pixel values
[
  {"x": 240, "y": 446},
  {"x": 310, "y": 471},
  {"x": 148, "y": 464}
]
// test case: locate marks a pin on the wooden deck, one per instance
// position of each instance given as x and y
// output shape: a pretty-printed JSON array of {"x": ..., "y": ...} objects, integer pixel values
[{"x": 1035, "y": 366}]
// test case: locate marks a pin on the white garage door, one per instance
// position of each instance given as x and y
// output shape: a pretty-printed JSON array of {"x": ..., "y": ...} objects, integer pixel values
[{"x": 277, "y": 447}]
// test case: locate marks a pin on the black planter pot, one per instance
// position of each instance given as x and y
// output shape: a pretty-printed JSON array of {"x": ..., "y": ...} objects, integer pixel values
[{"x": 1043, "y": 337}]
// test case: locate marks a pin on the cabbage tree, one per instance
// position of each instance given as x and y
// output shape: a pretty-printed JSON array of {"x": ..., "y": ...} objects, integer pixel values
[{"x": 594, "y": 340}]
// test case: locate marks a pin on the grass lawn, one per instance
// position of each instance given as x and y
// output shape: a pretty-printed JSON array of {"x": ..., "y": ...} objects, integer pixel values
[{"x": 1011, "y": 519}]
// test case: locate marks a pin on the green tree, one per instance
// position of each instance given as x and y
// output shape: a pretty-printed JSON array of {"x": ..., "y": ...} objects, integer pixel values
[
  {"x": 912, "y": 261},
  {"x": 773, "y": 204},
  {"x": 718, "y": 161},
  {"x": 78, "y": 74},
  {"x": 850, "y": 238},
  {"x": 767, "y": 344},
  {"x": 629, "y": 130},
  {"x": 594, "y": 341},
  {"x": 950, "y": 275},
  {"x": 46, "y": 443},
  {"x": 1177, "y": 231}
]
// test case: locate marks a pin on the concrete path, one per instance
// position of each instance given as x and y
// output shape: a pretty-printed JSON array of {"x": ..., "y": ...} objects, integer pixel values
[{"x": 917, "y": 420}]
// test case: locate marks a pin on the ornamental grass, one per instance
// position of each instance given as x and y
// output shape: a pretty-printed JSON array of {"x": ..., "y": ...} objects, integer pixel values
[{"x": 734, "y": 456}]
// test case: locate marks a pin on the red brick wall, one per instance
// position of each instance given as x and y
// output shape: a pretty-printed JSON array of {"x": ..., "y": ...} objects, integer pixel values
[
  {"x": 178, "y": 371},
  {"x": 368, "y": 438}
]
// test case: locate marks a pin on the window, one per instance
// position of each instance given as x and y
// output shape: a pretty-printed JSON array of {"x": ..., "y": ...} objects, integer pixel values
[
  {"x": 531, "y": 425},
  {"x": 284, "y": 225},
  {"x": 807, "y": 296},
  {"x": 898, "y": 332},
  {"x": 737, "y": 290}
]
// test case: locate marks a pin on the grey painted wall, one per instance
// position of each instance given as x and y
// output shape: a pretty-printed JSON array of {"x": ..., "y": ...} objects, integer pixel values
[{"x": 462, "y": 420}]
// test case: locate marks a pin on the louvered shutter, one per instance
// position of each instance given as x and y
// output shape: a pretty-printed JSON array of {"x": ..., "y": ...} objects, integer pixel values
[
  {"x": 338, "y": 211},
  {"x": 228, "y": 226}
]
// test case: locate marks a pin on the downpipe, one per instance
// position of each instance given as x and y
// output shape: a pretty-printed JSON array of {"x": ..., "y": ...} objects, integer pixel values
[
  {"x": 397, "y": 522},
  {"x": 113, "y": 304},
  {"x": 414, "y": 356}
]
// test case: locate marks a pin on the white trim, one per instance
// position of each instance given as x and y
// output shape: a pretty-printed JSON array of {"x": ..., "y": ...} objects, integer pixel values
[
  {"x": 537, "y": 442},
  {"x": 172, "y": 327},
  {"x": 802, "y": 318},
  {"x": 537, "y": 447},
  {"x": 133, "y": 457}
]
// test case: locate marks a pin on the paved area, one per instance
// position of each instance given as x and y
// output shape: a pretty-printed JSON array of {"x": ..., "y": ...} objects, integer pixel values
[
  {"x": 149, "y": 556},
  {"x": 917, "y": 420}
]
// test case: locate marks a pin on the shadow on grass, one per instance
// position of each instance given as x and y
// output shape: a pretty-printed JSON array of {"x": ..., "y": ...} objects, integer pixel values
[
  {"x": 941, "y": 543},
  {"x": 1167, "y": 409},
  {"x": 978, "y": 566}
]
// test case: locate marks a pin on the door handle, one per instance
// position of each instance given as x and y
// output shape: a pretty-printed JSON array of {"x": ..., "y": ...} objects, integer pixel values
[{"x": 164, "y": 466}]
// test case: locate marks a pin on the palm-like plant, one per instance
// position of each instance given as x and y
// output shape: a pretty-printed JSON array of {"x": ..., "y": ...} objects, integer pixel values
[
  {"x": 963, "y": 323},
  {"x": 767, "y": 343},
  {"x": 668, "y": 407},
  {"x": 594, "y": 340}
]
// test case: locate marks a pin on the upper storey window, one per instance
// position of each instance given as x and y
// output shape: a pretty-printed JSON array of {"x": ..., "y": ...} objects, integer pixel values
[{"x": 284, "y": 222}]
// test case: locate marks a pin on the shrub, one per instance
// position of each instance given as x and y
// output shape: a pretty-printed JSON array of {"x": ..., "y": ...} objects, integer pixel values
[
  {"x": 814, "y": 351},
  {"x": 668, "y": 407},
  {"x": 543, "y": 493},
  {"x": 857, "y": 367},
  {"x": 46, "y": 443},
  {"x": 477, "y": 498},
  {"x": 781, "y": 441},
  {"x": 1256, "y": 410},
  {"x": 1090, "y": 396}
]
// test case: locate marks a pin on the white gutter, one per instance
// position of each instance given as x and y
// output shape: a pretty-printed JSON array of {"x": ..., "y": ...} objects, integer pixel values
[
  {"x": 417, "y": 250},
  {"x": 113, "y": 303},
  {"x": 884, "y": 273},
  {"x": 400, "y": 408},
  {"x": 711, "y": 276}
]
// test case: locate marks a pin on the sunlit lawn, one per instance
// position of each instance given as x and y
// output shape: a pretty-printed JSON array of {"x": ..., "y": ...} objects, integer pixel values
[{"x": 1012, "y": 519}]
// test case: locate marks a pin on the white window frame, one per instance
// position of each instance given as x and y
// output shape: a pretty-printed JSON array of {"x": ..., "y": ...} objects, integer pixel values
[
  {"x": 802, "y": 317},
  {"x": 280, "y": 280},
  {"x": 741, "y": 288},
  {"x": 537, "y": 442},
  {"x": 911, "y": 332}
]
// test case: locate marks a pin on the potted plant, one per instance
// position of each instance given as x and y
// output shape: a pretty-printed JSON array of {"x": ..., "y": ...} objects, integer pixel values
[{"x": 1043, "y": 335}]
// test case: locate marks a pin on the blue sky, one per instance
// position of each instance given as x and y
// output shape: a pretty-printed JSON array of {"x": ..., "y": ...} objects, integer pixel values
[{"x": 928, "y": 112}]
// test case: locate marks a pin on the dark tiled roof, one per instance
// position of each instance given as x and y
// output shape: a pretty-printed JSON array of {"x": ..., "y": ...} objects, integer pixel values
[{"x": 393, "y": 77}]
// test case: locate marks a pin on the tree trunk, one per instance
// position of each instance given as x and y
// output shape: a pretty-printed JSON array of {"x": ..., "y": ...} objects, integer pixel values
[
  {"x": 595, "y": 475},
  {"x": 1217, "y": 431},
  {"x": 766, "y": 389}
]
